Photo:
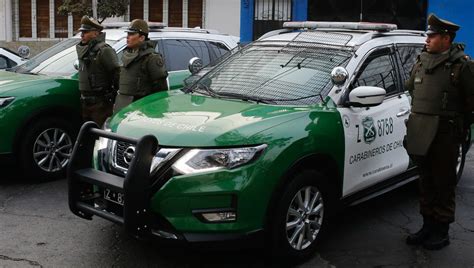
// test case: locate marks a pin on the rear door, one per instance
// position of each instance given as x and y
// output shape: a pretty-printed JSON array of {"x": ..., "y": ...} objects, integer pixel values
[{"x": 374, "y": 149}]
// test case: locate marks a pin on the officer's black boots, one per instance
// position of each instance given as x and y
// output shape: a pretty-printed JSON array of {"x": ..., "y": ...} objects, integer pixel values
[
  {"x": 419, "y": 237},
  {"x": 433, "y": 235},
  {"x": 439, "y": 237}
]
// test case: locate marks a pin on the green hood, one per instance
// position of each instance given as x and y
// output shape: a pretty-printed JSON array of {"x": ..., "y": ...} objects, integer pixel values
[
  {"x": 184, "y": 120},
  {"x": 10, "y": 81}
]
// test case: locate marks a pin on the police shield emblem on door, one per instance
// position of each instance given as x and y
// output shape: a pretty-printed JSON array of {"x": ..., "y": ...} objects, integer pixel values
[{"x": 370, "y": 132}]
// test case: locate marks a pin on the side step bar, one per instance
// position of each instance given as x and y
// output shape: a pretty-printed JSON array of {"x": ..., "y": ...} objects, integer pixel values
[{"x": 82, "y": 178}]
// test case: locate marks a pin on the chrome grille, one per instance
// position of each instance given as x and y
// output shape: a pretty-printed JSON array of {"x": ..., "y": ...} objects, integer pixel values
[
  {"x": 119, "y": 155},
  {"x": 121, "y": 163}
]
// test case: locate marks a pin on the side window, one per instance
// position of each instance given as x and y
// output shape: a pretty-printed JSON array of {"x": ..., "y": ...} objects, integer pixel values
[
  {"x": 218, "y": 49},
  {"x": 378, "y": 71},
  {"x": 179, "y": 52},
  {"x": 11, "y": 63},
  {"x": 407, "y": 57},
  {"x": 3, "y": 63}
]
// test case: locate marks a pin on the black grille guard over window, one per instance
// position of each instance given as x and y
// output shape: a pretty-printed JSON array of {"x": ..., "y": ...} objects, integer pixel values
[{"x": 136, "y": 186}]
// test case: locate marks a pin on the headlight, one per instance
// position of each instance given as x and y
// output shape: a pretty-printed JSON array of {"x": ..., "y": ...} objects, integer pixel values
[
  {"x": 4, "y": 101},
  {"x": 201, "y": 160},
  {"x": 102, "y": 142},
  {"x": 100, "y": 154}
]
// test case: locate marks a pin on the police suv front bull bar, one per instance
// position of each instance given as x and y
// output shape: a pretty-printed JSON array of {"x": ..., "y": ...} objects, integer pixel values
[{"x": 82, "y": 178}]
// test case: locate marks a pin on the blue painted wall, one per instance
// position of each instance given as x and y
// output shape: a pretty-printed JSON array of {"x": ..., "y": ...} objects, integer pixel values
[
  {"x": 460, "y": 12},
  {"x": 246, "y": 21},
  {"x": 300, "y": 10}
]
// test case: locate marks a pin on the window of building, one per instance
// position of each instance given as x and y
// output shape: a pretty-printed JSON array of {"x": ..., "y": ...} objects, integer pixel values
[
  {"x": 42, "y": 18},
  {"x": 175, "y": 8},
  {"x": 194, "y": 13},
  {"x": 24, "y": 7},
  {"x": 155, "y": 8},
  {"x": 136, "y": 9}
]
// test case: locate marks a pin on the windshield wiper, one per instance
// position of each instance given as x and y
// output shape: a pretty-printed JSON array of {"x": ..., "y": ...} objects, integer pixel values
[
  {"x": 297, "y": 99},
  {"x": 200, "y": 84},
  {"x": 230, "y": 95}
]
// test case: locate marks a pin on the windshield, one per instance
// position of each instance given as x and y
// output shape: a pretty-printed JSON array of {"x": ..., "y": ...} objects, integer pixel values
[
  {"x": 277, "y": 74},
  {"x": 58, "y": 60}
]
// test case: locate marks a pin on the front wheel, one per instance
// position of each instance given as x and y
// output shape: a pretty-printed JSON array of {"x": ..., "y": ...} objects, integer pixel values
[
  {"x": 46, "y": 148},
  {"x": 300, "y": 216}
]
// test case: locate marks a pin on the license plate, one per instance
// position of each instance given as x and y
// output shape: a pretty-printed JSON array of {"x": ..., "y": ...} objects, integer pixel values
[{"x": 114, "y": 197}]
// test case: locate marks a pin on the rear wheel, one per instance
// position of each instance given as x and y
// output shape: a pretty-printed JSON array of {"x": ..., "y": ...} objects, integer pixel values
[
  {"x": 46, "y": 148},
  {"x": 300, "y": 216}
]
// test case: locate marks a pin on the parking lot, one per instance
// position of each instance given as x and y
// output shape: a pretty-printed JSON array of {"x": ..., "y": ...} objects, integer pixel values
[{"x": 37, "y": 229}]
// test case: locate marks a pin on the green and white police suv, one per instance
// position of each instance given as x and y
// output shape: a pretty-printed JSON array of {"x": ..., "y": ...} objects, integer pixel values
[{"x": 270, "y": 141}]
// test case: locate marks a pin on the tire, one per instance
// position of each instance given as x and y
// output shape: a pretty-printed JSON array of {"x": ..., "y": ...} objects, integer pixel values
[
  {"x": 45, "y": 148},
  {"x": 286, "y": 243}
]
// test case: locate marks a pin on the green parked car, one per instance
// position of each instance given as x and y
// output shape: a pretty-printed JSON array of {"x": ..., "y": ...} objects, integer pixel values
[
  {"x": 270, "y": 141},
  {"x": 39, "y": 100}
]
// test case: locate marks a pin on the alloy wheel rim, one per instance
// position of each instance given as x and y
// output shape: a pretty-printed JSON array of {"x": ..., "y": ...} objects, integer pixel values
[
  {"x": 52, "y": 150},
  {"x": 304, "y": 217}
]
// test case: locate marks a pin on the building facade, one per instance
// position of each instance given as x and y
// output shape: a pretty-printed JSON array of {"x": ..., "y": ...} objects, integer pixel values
[
  {"x": 260, "y": 16},
  {"x": 38, "y": 20}
]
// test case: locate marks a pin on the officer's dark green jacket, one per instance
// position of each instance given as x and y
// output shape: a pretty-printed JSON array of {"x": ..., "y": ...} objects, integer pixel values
[
  {"x": 143, "y": 71},
  {"x": 442, "y": 90},
  {"x": 99, "y": 69}
]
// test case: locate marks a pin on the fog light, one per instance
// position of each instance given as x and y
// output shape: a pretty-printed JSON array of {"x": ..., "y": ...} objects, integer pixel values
[{"x": 225, "y": 216}]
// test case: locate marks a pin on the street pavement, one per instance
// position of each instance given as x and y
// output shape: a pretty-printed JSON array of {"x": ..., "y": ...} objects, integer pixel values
[{"x": 38, "y": 230}]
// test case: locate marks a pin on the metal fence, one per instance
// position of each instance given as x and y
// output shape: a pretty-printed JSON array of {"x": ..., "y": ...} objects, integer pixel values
[{"x": 270, "y": 15}]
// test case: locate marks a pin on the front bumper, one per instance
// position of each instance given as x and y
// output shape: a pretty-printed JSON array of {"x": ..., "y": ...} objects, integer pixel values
[
  {"x": 156, "y": 206},
  {"x": 83, "y": 179}
]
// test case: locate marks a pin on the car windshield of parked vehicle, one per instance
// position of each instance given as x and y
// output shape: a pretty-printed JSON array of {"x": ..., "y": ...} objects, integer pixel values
[
  {"x": 281, "y": 74},
  {"x": 58, "y": 60}
]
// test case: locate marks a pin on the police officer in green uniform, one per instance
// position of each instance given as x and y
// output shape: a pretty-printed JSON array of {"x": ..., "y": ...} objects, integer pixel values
[
  {"x": 442, "y": 89},
  {"x": 99, "y": 72},
  {"x": 143, "y": 71}
]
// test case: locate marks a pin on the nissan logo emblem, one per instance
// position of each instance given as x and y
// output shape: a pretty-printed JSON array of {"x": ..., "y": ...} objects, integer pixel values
[{"x": 128, "y": 154}]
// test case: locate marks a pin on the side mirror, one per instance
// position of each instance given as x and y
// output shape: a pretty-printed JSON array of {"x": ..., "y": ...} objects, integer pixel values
[
  {"x": 339, "y": 76},
  {"x": 195, "y": 65},
  {"x": 76, "y": 65},
  {"x": 366, "y": 96},
  {"x": 24, "y": 51},
  {"x": 190, "y": 80}
]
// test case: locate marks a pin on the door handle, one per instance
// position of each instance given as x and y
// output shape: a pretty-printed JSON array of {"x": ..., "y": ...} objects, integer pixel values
[{"x": 403, "y": 113}]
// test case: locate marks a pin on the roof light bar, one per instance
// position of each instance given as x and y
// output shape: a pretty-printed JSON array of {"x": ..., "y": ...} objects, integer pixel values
[{"x": 380, "y": 27}]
